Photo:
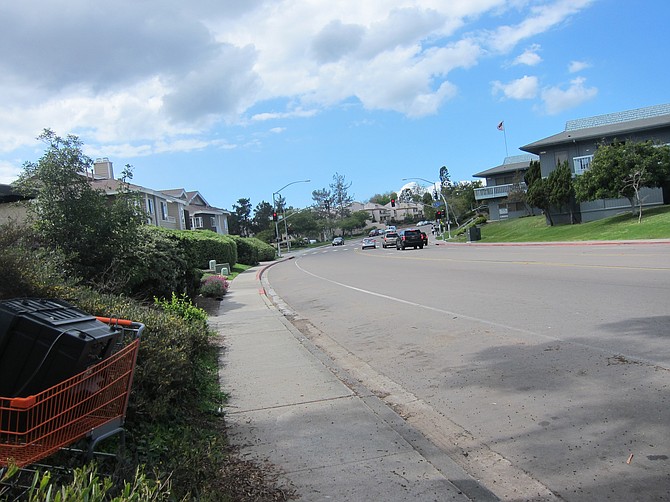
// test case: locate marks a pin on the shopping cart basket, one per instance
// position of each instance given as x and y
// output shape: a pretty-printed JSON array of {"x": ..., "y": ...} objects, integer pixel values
[{"x": 91, "y": 405}]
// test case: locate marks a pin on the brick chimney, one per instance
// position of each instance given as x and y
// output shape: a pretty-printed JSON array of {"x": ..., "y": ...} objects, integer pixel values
[{"x": 102, "y": 169}]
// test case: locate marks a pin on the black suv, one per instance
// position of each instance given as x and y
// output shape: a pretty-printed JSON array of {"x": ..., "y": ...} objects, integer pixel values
[{"x": 408, "y": 238}]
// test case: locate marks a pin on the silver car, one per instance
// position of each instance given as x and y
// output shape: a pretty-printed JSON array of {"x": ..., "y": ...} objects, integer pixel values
[{"x": 388, "y": 241}]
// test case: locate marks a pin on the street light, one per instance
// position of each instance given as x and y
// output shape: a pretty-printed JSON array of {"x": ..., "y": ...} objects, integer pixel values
[
  {"x": 274, "y": 205},
  {"x": 446, "y": 206}
]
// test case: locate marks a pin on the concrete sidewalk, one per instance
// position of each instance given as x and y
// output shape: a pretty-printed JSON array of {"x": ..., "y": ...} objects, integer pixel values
[{"x": 331, "y": 440}]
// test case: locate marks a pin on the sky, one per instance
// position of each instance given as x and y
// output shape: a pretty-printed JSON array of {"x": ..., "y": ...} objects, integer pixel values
[{"x": 243, "y": 99}]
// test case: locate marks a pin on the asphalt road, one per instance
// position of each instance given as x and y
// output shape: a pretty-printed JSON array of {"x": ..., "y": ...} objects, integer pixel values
[{"x": 542, "y": 367}]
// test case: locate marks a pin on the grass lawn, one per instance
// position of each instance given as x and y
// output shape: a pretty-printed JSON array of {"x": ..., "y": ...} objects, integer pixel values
[
  {"x": 237, "y": 269},
  {"x": 655, "y": 224}
]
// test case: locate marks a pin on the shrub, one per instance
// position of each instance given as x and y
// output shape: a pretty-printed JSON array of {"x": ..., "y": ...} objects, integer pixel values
[
  {"x": 251, "y": 251},
  {"x": 158, "y": 265},
  {"x": 214, "y": 286},
  {"x": 183, "y": 307},
  {"x": 25, "y": 269},
  {"x": 204, "y": 245}
]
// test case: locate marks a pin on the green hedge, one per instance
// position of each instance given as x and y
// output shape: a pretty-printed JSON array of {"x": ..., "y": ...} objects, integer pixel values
[
  {"x": 158, "y": 265},
  {"x": 205, "y": 245},
  {"x": 252, "y": 251}
]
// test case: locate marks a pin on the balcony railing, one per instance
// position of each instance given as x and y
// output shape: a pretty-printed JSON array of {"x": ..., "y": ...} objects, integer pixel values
[{"x": 498, "y": 191}]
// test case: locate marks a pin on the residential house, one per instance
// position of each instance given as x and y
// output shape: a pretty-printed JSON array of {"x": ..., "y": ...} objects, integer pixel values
[
  {"x": 201, "y": 216},
  {"x": 579, "y": 141},
  {"x": 378, "y": 212},
  {"x": 505, "y": 187},
  {"x": 162, "y": 210},
  {"x": 174, "y": 209},
  {"x": 13, "y": 206},
  {"x": 406, "y": 211},
  {"x": 387, "y": 213}
]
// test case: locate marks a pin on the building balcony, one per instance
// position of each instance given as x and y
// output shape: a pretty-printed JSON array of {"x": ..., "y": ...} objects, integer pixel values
[{"x": 497, "y": 191}]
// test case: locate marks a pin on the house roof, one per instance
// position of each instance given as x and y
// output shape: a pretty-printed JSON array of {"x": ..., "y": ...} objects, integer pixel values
[
  {"x": 111, "y": 186},
  {"x": 611, "y": 124},
  {"x": 509, "y": 165},
  {"x": 176, "y": 192},
  {"x": 195, "y": 202},
  {"x": 9, "y": 194}
]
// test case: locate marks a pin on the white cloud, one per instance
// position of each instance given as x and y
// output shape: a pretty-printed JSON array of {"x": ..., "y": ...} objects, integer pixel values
[
  {"x": 529, "y": 57},
  {"x": 300, "y": 113},
  {"x": 557, "y": 100},
  {"x": 9, "y": 172},
  {"x": 577, "y": 66},
  {"x": 542, "y": 18},
  {"x": 522, "y": 88},
  {"x": 137, "y": 76}
]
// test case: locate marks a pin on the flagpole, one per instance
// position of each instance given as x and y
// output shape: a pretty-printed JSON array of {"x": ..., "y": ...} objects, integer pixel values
[
  {"x": 505, "y": 136},
  {"x": 501, "y": 127}
]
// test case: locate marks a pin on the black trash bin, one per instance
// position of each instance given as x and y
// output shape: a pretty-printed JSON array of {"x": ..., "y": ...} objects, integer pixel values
[
  {"x": 474, "y": 234},
  {"x": 45, "y": 341}
]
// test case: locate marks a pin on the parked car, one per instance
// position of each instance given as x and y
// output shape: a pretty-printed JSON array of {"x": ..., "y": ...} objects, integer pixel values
[
  {"x": 389, "y": 239},
  {"x": 369, "y": 243},
  {"x": 338, "y": 241},
  {"x": 409, "y": 237}
]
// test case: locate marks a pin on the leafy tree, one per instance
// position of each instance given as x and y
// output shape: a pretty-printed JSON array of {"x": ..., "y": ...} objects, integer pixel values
[
  {"x": 461, "y": 198},
  {"x": 355, "y": 221},
  {"x": 381, "y": 199},
  {"x": 304, "y": 223},
  {"x": 561, "y": 188},
  {"x": 622, "y": 169},
  {"x": 241, "y": 221},
  {"x": 341, "y": 197},
  {"x": 262, "y": 217},
  {"x": 539, "y": 190},
  {"x": 323, "y": 208},
  {"x": 323, "y": 202},
  {"x": 445, "y": 178},
  {"x": 280, "y": 203},
  {"x": 406, "y": 195},
  {"x": 93, "y": 231},
  {"x": 517, "y": 192}
]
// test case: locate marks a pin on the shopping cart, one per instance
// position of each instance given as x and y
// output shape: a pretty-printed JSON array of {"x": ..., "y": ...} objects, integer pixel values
[{"x": 90, "y": 405}]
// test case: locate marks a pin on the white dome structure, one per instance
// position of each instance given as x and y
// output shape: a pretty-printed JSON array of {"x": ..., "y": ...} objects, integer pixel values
[{"x": 413, "y": 187}]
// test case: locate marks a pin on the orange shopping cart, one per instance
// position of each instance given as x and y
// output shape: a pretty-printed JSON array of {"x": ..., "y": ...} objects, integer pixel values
[{"x": 90, "y": 405}]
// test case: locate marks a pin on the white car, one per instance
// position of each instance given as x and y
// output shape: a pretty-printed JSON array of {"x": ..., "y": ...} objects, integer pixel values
[{"x": 369, "y": 243}]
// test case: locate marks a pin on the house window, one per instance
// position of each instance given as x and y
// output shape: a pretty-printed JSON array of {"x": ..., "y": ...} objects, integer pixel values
[
  {"x": 581, "y": 164},
  {"x": 164, "y": 211},
  {"x": 150, "y": 206},
  {"x": 560, "y": 157},
  {"x": 212, "y": 222},
  {"x": 196, "y": 221}
]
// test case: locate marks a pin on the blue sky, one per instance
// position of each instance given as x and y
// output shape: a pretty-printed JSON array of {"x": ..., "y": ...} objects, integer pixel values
[{"x": 238, "y": 99}]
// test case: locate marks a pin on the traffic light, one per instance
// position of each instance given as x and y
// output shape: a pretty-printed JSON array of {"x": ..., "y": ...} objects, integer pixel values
[
  {"x": 438, "y": 215},
  {"x": 274, "y": 216},
  {"x": 392, "y": 202}
]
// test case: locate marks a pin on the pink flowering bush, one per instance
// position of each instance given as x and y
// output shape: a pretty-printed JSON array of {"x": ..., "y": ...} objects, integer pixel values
[{"x": 214, "y": 286}]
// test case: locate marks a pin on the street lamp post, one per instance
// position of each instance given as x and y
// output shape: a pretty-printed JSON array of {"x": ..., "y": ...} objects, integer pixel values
[
  {"x": 446, "y": 206},
  {"x": 274, "y": 205}
]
